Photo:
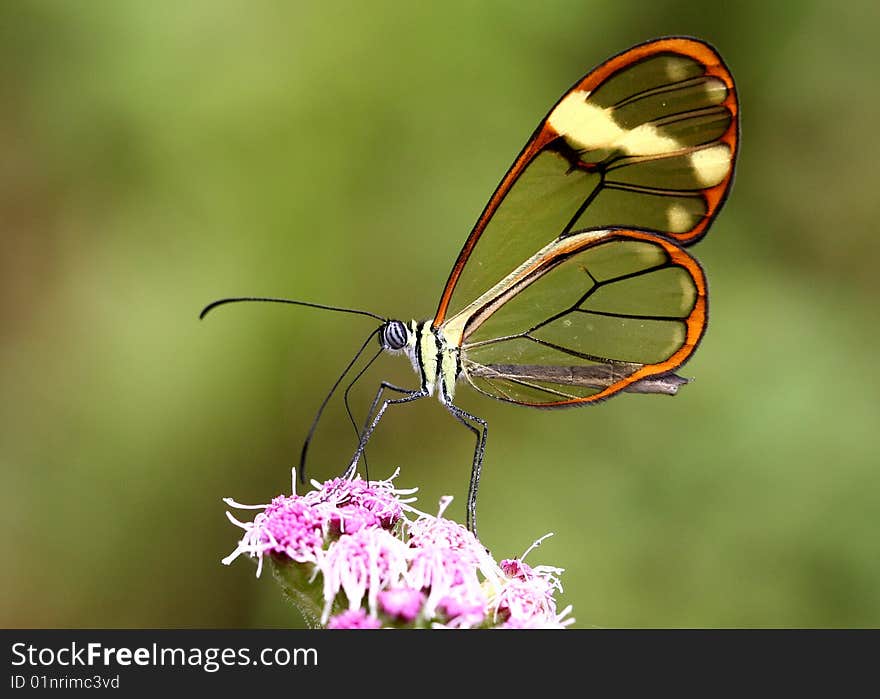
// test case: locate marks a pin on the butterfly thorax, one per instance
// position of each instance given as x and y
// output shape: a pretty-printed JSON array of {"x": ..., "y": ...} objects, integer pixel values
[{"x": 433, "y": 358}]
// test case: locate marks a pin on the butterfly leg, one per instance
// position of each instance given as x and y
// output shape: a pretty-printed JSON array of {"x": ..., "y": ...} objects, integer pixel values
[
  {"x": 480, "y": 433},
  {"x": 409, "y": 395},
  {"x": 384, "y": 386},
  {"x": 358, "y": 430}
]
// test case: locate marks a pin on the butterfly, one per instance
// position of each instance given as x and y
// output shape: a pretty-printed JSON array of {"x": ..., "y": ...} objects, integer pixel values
[{"x": 575, "y": 285}]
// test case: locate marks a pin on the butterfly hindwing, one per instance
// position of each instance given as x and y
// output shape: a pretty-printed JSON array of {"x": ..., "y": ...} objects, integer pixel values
[{"x": 586, "y": 317}]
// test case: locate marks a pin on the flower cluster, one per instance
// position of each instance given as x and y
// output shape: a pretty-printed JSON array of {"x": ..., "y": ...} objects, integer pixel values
[{"x": 354, "y": 554}]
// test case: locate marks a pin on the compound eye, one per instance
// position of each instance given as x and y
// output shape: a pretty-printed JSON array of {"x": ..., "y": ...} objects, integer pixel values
[{"x": 394, "y": 335}]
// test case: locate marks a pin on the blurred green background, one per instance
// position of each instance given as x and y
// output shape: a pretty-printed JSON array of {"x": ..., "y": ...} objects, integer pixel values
[{"x": 156, "y": 156}]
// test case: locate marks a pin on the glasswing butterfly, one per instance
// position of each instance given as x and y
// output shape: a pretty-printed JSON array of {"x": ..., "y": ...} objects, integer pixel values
[{"x": 574, "y": 284}]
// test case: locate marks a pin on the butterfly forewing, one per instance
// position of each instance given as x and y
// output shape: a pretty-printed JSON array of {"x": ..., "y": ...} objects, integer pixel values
[{"x": 646, "y": 141}]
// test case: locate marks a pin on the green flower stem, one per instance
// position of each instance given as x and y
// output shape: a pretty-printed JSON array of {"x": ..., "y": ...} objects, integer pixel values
[{"x": 294, "y": 578}]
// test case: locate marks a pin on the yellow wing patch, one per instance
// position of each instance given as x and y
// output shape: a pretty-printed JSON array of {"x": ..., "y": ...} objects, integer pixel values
[
  {"x": 712, "y": 164},
  {"x": 588, "y": 127},
  {"x": 679, "y": 218}
]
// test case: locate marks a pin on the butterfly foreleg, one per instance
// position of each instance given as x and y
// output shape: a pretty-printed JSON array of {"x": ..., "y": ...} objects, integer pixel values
[{"x": 374, "y": 415}]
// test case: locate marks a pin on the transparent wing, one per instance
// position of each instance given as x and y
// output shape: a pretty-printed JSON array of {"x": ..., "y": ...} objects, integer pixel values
[
  {"x": 647, "y": 140},
  {"x": 588, "y": 316}
]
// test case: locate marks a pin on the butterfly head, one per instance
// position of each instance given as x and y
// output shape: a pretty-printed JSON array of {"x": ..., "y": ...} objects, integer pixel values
[{"x": 395, "y": 335}]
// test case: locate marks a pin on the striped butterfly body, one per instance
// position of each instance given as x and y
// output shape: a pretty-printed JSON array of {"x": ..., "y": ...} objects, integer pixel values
[{"x": 574, "y": 284}]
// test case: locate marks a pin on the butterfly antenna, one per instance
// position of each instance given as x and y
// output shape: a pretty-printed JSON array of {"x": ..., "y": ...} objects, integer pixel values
[{"x": 268, "y": 299}]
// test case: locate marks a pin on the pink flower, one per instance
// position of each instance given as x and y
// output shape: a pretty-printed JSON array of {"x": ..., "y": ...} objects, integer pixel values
[
  {"x": 401, "y": 603},
  {"x": 353, "y": 619},
  {"x": 354, "y": 504},
  {"x": 361, "y": 565},
  {"x": 450, "y": 564},
  {"x": 526, "y": 599},
  {"x": 463, "y": 608},
  {"x": 444, "y": 533},
  {"x": 360, "y": 548},
  {"x": 515, "y": 568},
  {"x": 288, "y": 526}
]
